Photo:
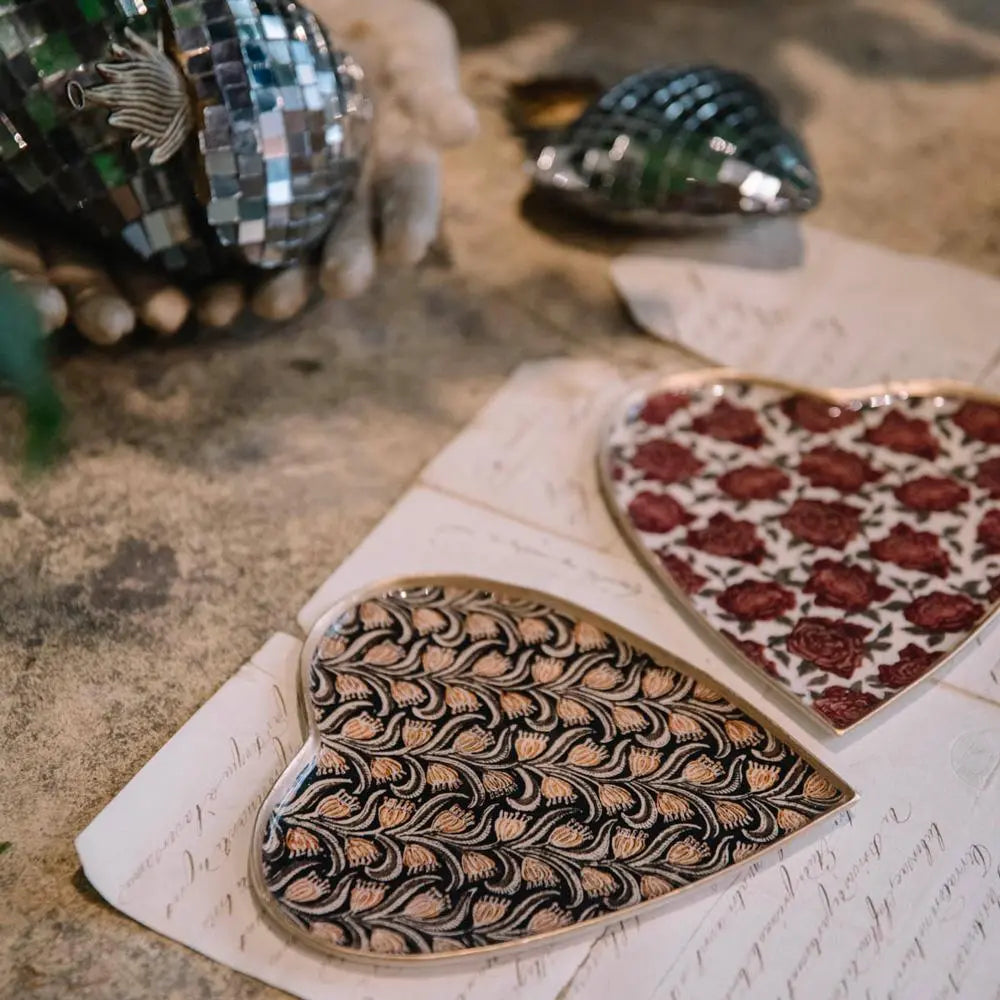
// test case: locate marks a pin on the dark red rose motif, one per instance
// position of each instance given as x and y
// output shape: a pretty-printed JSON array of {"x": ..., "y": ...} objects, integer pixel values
[
  {"x": 912, "y": 664},
  {"x": 839, "y": 469},
  {"x": 943, "y": 612},
  {"x": 907, "y": 434},
  {"x": 931, "y": 493},
  {"x": 993, "y": 594},
  {"x": 835, "y": 646},
  {"x": 839, "y": 585},
  {"x": 754, "y": 482},
  {"x": 756, "y": 600},
  {"x": 724, "y": 536},
  {"x": 753, "y": 651},
  {"x": 657, "y": 513},
  {"x": 988, "y": 476},
  {"x": 843, "y": 707},
  {"x": 919, "y": 550},
  {"x": 661, "y": 406},
  {"x": 665, "y": 461},
  {"x": 822, "y": 523},
  {"x": 988, "y": 532},
  {"x": 816, "y": 415},
  {"x": 980, "y": 421},
  {"x": 731, "y": 423},
  {"x": 683, "y": 573}
]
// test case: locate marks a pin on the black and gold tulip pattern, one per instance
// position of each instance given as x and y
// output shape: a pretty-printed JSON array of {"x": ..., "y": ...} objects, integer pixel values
[{"x": 488, "y": 766}]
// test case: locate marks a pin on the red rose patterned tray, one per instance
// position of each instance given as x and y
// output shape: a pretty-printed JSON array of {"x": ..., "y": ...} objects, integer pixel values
[
  {"x": 489, "y": 767},
  {"x": 844, "y": 543}
]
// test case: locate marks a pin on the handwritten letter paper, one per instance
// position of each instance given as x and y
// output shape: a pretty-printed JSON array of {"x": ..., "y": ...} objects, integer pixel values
[
  {"x": 899, "y": 899},
  {"x": 810, "y": 306}
]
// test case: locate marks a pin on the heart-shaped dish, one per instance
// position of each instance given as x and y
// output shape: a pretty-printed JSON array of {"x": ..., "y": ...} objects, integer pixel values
[
  {"x": 844, "y": 543},
  {"x": 489, "y": 767}
]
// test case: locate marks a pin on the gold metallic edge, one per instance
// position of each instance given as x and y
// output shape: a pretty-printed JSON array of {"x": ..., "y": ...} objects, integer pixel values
[
  {"x": 708, "y": 376},
  {"x": 285, "y": 924}
]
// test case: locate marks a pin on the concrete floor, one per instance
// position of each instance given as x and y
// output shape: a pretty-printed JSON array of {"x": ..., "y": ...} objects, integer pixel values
[{"x": 213, "y": 483}]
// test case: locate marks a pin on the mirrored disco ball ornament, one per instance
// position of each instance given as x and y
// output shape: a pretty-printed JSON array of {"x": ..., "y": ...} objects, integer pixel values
[
  {"x": 195, "y": 131},
  {"x": 679, "y": 146}
]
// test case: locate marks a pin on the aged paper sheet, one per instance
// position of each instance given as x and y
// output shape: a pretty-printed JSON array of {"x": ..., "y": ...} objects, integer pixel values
[
  {"x": 808, "y": 305},
  {"x": 900, "y": 898}
]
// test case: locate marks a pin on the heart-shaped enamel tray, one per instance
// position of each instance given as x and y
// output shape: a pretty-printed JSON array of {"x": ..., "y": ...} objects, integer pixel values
[
  {"x": 489, "y": 767},
  {"x": 843, "y": 543}
]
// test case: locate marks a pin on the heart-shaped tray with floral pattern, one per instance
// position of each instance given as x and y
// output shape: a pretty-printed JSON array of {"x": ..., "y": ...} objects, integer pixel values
[
  {"x": 843, "y": 543},
  {"x": 489, "y": 767}
]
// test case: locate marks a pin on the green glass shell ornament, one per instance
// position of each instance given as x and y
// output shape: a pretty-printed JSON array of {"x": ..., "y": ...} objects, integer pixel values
[
  {"x": 676, "y": 147},
  {"x": 194, "y": 131}
]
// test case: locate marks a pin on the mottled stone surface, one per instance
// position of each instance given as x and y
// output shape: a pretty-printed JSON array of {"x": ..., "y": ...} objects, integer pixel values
[{"x": 213, "y": 483}]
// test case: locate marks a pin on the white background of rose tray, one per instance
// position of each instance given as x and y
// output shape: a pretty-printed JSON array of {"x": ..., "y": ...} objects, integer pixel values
[{"x": 901, "y": 896}]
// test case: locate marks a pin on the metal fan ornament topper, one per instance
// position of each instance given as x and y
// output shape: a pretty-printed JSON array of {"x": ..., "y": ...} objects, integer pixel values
[
  {"x": 678, "y": 146},
  {"x": 192, "y": 130}
]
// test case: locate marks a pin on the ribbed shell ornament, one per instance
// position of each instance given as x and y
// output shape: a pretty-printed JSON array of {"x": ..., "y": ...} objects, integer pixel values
[
  {"x": 676, "y": 147},
  {"x": 192, "y": 130}
]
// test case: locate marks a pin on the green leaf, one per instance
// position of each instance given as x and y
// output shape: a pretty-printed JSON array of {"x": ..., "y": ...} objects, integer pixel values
[
  {"x": 23, "y": 367},
  {"x": 5, "y": 846}
]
